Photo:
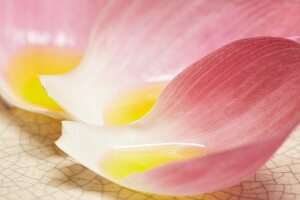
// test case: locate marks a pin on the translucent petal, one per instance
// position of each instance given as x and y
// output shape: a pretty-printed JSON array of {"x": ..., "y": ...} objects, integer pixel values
[
  {"x": 139, "y": 43},
  {"x": 213, "y": 125},
  {"x": 41, "y": 38}
]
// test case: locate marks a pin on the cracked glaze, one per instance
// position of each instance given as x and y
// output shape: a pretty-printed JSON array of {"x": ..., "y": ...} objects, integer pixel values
[{"x": 32, "y": 167}]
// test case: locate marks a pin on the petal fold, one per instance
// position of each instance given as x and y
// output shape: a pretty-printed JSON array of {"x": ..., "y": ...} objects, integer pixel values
[
  {"x": 223, "y": 117},
  {"x": 41, "y": 38},
  {"x": 137, "y": 43}
]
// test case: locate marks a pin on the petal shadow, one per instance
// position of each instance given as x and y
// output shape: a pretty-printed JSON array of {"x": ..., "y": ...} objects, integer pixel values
[{"x": 31, "y": 165}]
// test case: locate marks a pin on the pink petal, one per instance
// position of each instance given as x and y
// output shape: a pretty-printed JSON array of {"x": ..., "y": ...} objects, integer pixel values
[
  {"x": 240, "y": 102},
  {"x": 208, "y": 173},
  {"x": 243, "y": 93},
  {"x": 296, "y": 38},
  {"x": 137, "y": 42},
  {"x": 46, "y": 24}
]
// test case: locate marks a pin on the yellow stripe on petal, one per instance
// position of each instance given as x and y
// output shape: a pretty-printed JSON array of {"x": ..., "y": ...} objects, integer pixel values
[
  {"x": 132, "y": 105},
  {"x": 24, "y": 66},
  {"x": 123, "y": 162}
]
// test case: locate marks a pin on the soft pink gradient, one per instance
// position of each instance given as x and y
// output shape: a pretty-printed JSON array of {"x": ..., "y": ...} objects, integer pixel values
[
  {"x": 56, "y": 24},
  {"x": 136, "y": 42},
  {"x": 240, "y": 101},
  {"x": 47, "y": 22}
]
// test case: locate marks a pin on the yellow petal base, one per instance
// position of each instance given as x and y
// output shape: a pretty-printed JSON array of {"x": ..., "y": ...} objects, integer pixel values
[
  {"x": 24, "y": 66},
  {"x": 132, "y": 105},
  {"x": 123, "y": 162}
]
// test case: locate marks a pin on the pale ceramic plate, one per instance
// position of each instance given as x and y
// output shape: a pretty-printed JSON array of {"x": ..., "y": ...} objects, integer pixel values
[{"x": 32, "y": 167}]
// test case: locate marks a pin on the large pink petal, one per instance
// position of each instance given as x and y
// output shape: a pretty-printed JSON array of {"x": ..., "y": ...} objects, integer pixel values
[
  {"x": 137, "y": 42},
  {"x": 240, "y": 102}
]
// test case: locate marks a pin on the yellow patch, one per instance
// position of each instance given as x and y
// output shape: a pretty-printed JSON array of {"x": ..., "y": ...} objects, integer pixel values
[
  {"x": 123, "y": 162},
  {"x": 24, "y": 66},
  {"x": 132, "y": 105}
]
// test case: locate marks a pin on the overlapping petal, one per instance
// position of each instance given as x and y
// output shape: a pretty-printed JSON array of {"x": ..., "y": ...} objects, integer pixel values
[
  {"x": 41, "y": 37},
  {"x": 137, "y": 43},
  {"x": 213, "y": 125}
]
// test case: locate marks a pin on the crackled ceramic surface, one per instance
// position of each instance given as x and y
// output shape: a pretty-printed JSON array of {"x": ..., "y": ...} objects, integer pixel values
[{"x": 32, "y": 167}]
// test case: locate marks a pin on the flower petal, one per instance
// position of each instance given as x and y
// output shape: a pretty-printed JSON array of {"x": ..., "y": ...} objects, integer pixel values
[
  {"x": 223, "y": 117},
  {"x": 295, "y": 38},
  {"x": 41, "y": 37},
  {"x": 137, "y": 43},
  {"x": 208, "y": 173}
]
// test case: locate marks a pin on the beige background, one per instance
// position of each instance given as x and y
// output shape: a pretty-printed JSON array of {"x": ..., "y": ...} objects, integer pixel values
[{"x": 32, "y": 167}]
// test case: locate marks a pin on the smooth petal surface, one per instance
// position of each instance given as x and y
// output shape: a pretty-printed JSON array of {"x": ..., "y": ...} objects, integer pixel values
[
  {"x": 137, "y": 43},
  {"x": 222, "y": 118},
  {"x": 33, "y": 168},
  {"x": 41, "y": 37},
  {"x": 296, "y": 38}
]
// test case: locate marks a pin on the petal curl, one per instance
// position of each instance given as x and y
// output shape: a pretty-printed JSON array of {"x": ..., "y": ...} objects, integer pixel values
[
  {"x": 140, "y": 42},
  {"x": 41, "y": 37},
  {"x": 238, "y": 104}
]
